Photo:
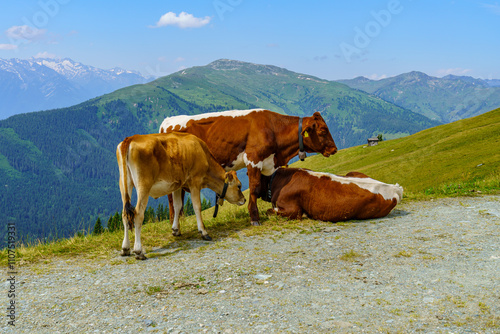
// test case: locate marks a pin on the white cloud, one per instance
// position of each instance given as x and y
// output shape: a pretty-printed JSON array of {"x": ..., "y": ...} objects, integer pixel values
[
  {"x": 453, "y": 71},
  {"x": 183, "y": 20},
  {"x": 45, "y": 55},
  {"x": 179, "y": 59},
  {"x": 375, "y": 76},
  {"x": 495, "y": 9},
  {"x": 8, "y": 47},
  {"x": 25, "y": 32}
]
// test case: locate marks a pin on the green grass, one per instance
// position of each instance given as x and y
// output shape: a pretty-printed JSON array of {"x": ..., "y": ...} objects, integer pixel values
[
  {"x": 459, "y": 158},
  {"x": 231, "y": 222}
]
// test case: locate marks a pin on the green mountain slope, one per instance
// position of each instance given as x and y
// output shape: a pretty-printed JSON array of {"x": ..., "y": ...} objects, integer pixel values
[
  {"x": 351, "y": 115},
  {"x": 454, "y": 158},
  {"x": 444, "y": 99},
  {"x": 58, "y": 168}
]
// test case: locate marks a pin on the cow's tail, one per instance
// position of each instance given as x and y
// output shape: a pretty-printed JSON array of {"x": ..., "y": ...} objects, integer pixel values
[{"x": 121, "y": 155}]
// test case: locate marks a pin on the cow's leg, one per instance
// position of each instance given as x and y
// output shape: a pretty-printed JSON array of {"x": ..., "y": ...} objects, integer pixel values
[
  {"x": 254, "y": 185},
  {"x": 290, "y": 211},
  {"x": 288, "y": 208},
  {"x": 125, "y": 218},
  {"x": 195, "y": 198},
  {"x": 177, "y": 205},
  {"x": 171, "y": 210},
  {"x": 142, "y": 203},
  {"x": 126, "y": 241}
]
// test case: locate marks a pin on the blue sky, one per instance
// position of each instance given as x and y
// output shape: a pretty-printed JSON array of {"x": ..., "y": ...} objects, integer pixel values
[{"x": 329, "y": 39}]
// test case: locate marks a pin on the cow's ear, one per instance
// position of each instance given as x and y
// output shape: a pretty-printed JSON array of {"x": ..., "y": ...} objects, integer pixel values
[
  {"x": 307, "y": 130},
  {"x": 317, "y": 115},
  {"x": 229, "y": 177}
]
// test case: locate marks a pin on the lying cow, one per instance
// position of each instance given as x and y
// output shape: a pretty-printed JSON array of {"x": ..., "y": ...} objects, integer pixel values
[
  {"x": 161, "y": 164},
  {"x": 328, "y": 197},
  {"x": 260, "y": 140}
]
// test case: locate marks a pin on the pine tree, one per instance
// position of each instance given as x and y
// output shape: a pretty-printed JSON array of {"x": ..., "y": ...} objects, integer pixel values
[
  {"x": 188, "y": 208},
  {"x": 205, "y": 204},
  {"x": 110, "y": 224},
  {"x": 159, "y": 212},
  {"x": 98, "y": 227},
  {"x": 114, "y": 222}
]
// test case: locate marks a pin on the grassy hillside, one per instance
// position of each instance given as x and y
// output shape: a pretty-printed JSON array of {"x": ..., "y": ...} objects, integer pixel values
[{"x": 457, "y": 158}]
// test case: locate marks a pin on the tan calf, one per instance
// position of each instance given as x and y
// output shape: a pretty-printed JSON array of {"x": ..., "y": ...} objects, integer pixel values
[{"x": 161, "y": 164}]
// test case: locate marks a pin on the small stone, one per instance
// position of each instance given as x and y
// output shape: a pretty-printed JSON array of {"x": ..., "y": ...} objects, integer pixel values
[
  {"x": 262, "y": 276},
  {"x": 148, "y": 322}
]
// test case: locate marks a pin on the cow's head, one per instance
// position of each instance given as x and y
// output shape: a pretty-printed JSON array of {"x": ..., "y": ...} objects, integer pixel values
[
  {"x": 317, "y": 137},
  {"x": 233, "y": 193}
]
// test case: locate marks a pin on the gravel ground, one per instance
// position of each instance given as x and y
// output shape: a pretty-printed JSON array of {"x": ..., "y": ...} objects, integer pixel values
[{"x": 430, "y": 267}]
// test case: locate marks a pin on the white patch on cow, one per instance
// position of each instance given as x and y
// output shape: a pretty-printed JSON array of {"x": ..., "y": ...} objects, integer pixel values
[
  {"x": 239, "y": 163},
  {"x": 388, "y": 191},
  {"x": 266, "y": 166},
  {"x": 258, "y": 165},
  {"x": 182, "y": 120}
]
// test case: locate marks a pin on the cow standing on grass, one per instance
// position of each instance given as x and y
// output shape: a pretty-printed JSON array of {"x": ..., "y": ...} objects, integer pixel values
[
  {"x": 260, "y": 140},
  {"x": 161, "y": 164},
  {"x": 323, "y": 196}
]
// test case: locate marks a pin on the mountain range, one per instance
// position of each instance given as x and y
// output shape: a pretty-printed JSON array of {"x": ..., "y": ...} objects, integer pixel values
[
  {"x": 41, "y": 83},
  {"x": 444, "y": 99}
]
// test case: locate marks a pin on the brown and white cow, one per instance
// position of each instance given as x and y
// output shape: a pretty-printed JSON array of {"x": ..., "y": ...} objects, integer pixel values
[
  {"x": 161, "y": 164},
  {"x": 260, "y": 140},
  {"x": 323, "y": 196}
]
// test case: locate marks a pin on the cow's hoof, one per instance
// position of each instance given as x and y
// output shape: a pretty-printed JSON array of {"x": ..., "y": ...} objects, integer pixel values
[
  {"x": 255, "y": 223},
  {"x": 176, "y": 233},
  {"x": 206, "y": 237},
  {"x": 140, "y": 256},
  {"x": 125, "y": 252}
]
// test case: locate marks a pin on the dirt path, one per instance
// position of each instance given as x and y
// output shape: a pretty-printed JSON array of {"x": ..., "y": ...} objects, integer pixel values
[{"x": 430, "y": 267}]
